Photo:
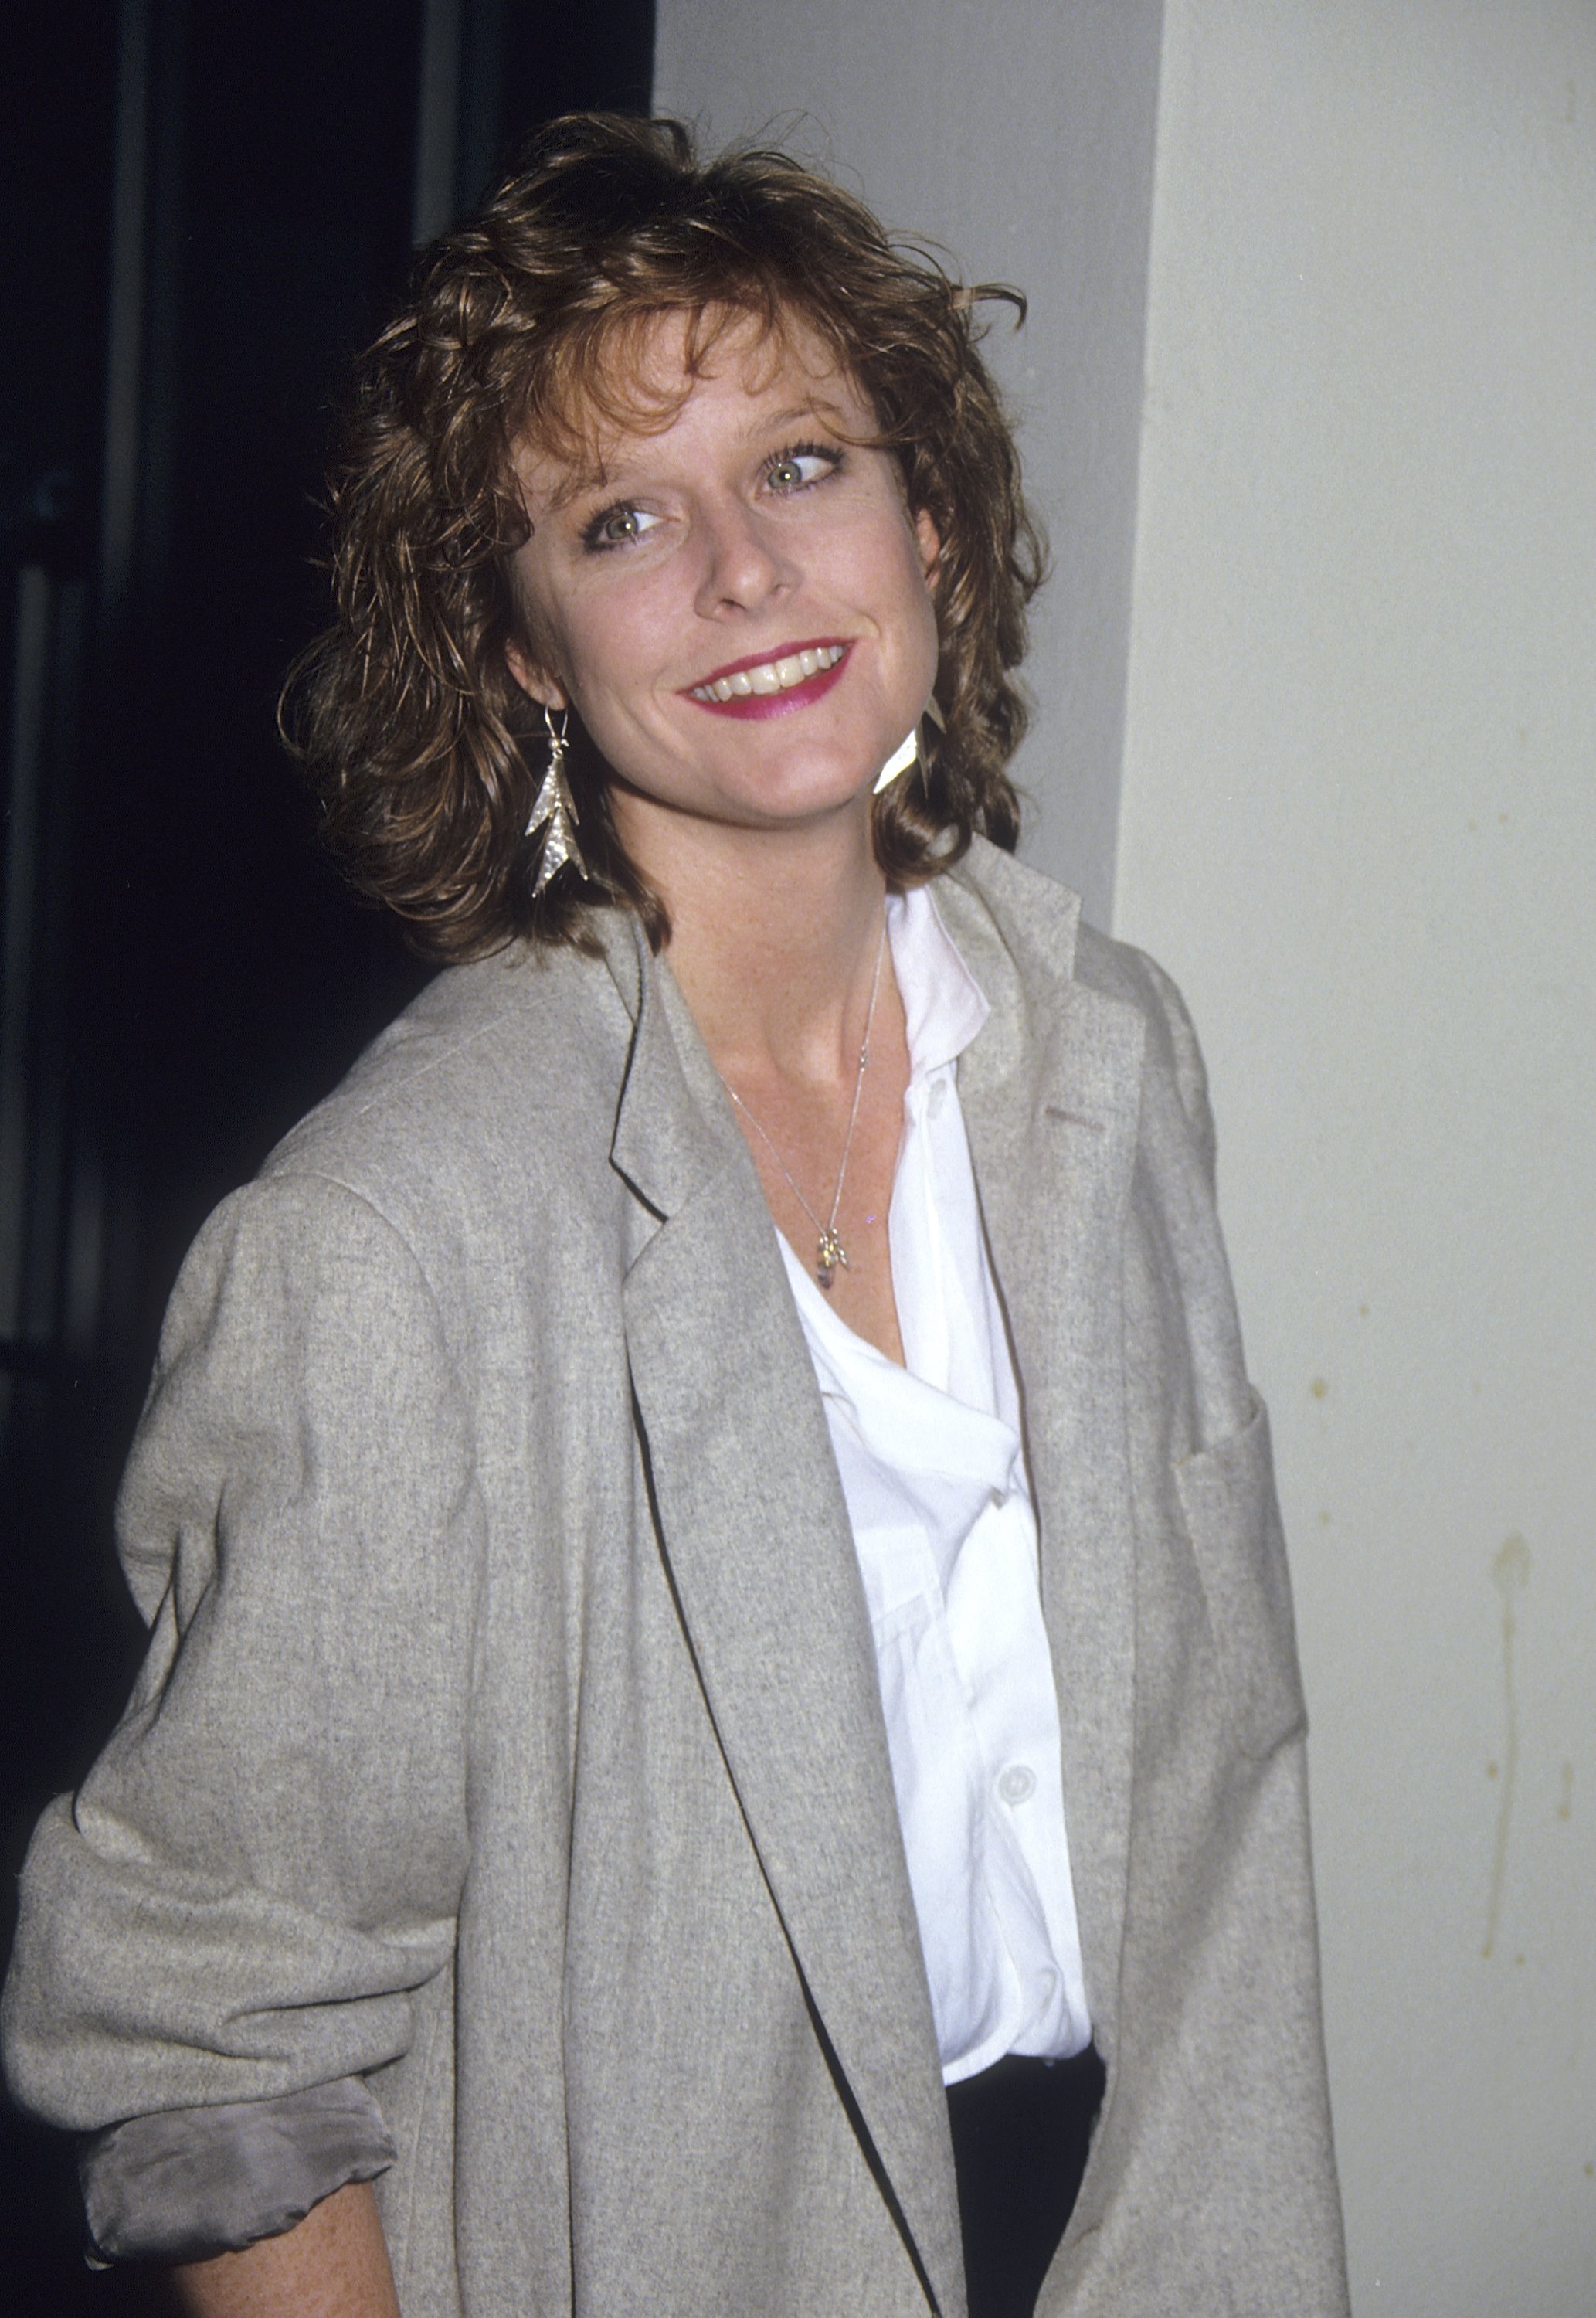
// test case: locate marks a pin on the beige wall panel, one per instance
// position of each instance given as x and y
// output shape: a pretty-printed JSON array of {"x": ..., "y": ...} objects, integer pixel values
[{"x": 1358, "y": 822}]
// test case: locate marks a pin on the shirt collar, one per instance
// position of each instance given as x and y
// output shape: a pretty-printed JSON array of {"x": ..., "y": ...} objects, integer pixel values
[{"x": 944, "y": 1005}]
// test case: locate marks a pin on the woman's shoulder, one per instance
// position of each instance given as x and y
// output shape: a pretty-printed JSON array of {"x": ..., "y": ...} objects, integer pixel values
[
  {"x": 1031, "y": 925},
  {"x": 1038, "y": 921},
  {"x": 499, "y": 1070}
]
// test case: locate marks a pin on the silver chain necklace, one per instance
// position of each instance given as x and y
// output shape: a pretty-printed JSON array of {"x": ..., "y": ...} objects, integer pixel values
[{"x": 830, "y": 1254}]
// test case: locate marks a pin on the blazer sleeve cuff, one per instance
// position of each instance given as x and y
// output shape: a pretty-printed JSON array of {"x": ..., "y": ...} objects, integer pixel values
[{"x": 189, "y": 2183}]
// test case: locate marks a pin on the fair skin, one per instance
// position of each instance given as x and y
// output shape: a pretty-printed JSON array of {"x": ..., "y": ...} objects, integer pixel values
[
  {"x": 749, "y": 527},
  {"x": 332, "y": 2264}
]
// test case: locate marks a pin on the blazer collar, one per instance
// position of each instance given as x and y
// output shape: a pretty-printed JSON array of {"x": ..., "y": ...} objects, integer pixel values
[{"x": 673, "y": 1130}]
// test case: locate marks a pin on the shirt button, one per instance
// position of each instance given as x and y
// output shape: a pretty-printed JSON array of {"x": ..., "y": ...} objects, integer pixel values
[{"x": 1016, "y": 1784}]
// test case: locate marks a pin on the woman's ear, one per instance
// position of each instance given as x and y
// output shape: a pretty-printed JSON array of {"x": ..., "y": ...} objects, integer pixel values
[
  {"x": 930, "y": 545},
  {"x": 531, "y": 678}
]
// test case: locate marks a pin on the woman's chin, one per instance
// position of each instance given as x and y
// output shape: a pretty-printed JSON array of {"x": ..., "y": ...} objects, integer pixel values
[{"x": 768, "y": 801}]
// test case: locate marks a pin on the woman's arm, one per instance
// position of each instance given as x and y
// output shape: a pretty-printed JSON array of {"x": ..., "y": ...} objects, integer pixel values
[
  {"x": 334, "y": 2264},
  {"x": 231, "y": 1927}
]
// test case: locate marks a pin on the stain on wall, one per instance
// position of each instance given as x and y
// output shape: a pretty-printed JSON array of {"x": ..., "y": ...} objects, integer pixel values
[{"x": 1509, "y": 1573}]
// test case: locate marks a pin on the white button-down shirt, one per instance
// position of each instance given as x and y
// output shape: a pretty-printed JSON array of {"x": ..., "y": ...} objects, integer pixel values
[{"x": 933, "y": 1469}]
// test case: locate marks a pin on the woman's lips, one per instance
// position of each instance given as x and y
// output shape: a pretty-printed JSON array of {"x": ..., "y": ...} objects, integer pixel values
[{"x": 785, "y": 697}]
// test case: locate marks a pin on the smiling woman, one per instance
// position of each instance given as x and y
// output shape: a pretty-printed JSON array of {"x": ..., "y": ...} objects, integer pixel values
[
  {"x": 573, "y": 326},
  {"x": 695, "y": 1519},
  {"x": 717, "y": 573}
]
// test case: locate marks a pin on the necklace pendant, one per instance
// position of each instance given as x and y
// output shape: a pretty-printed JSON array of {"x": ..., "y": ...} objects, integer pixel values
[{"x": 829, "y": 1255}]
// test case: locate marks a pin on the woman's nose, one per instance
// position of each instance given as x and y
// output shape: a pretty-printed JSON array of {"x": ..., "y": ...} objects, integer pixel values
[{"x": 744, "y": 567}]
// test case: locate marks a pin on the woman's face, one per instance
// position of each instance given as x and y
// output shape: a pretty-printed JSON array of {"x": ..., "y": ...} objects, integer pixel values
[{"x": 739, "y": 609}]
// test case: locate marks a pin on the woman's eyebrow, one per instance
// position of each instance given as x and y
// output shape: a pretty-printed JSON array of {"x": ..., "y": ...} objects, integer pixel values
[
  {"x": 612, "y": 476},
  {"x": 799, "y": 411},
  {"x": 816, "y": 411}
]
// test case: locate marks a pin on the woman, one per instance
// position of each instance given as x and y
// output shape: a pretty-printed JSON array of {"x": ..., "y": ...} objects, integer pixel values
[{"x": 708, "y": 1762}]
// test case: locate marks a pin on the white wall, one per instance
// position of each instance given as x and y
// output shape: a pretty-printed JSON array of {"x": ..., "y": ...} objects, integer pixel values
[
  {"x": 1359, "y": 821},
  {"x": 1021, "y": 138}
]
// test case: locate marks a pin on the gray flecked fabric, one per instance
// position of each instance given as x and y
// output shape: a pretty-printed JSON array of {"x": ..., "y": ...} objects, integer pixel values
[
  {"x": 185, "y": 2184},
  {"x": 509, "y": 1736}
]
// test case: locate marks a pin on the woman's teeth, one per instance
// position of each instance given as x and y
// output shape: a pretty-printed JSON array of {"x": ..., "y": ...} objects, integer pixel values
[{"x": 772, "y": 675}]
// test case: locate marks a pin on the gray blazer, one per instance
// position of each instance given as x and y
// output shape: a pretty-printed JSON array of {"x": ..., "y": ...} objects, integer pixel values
[{"x": 508, "y": 1781}]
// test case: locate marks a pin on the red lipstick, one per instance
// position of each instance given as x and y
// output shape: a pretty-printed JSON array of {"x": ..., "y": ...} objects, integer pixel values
[{"x": 773, "y": 704}]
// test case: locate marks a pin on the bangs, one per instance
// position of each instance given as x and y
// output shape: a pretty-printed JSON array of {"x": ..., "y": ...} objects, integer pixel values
[{"x": 604, "y": 377}]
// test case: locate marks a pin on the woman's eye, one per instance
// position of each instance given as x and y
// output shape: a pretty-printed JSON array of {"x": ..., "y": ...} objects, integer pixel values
[
  {"x": 618, "y": 527},
  {"x": 795, "y": 470}
]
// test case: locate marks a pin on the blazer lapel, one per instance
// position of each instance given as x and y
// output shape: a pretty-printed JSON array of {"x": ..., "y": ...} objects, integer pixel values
[
  {"x": 755, "y": 1532},
  {"x": 1051, "y": 1096}
]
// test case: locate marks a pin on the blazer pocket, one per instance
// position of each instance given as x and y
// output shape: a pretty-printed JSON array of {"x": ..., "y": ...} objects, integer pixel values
[{"x": 1232, "y": 1516}]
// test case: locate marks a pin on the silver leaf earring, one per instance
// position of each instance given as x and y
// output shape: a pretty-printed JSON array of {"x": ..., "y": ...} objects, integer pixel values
[
  {"x": 556, "y": 807},
  {"x": 911, "y": 749}
]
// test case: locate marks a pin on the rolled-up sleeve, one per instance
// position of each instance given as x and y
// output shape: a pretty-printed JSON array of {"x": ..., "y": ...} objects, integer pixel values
[
  {"x": 221, "y": 1934},
  {"x": 188, "y": 2183}
]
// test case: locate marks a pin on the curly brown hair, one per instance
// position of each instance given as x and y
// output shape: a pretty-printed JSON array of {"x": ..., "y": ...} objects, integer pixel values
[{"x": 521, "y": 327}]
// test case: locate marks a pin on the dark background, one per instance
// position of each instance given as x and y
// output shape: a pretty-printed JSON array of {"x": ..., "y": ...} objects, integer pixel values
[{"x": 209, "y": 207}]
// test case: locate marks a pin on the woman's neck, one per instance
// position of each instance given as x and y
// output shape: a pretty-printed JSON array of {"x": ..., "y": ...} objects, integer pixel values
[
  {"x": 774, "y": 938},
  {"x": 779, "y": 945}
]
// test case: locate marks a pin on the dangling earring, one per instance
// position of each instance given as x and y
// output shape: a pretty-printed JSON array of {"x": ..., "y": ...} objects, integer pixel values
[
  {"x": 556, "y": 806},
  {"x": 911, "y": 750}
]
